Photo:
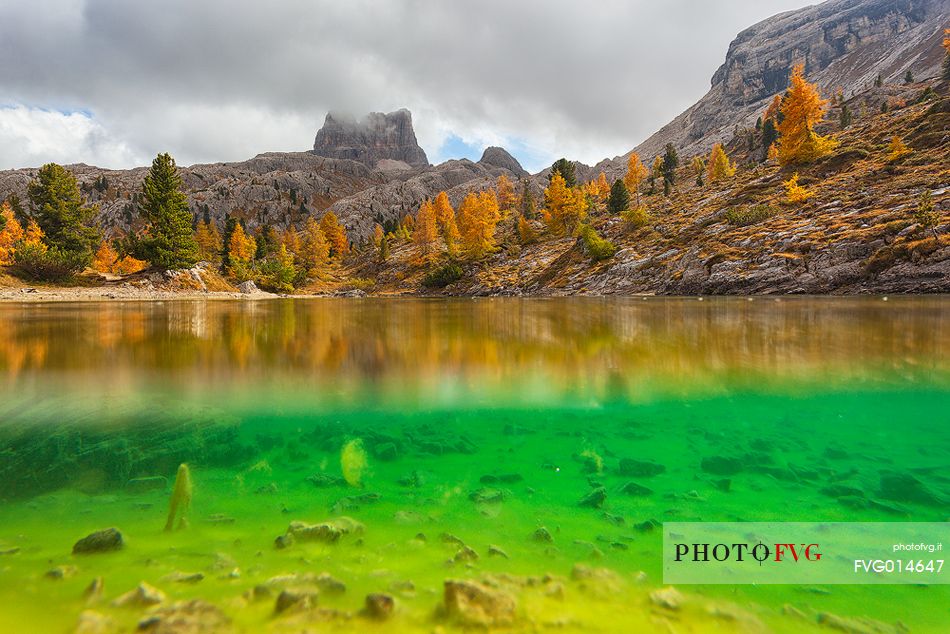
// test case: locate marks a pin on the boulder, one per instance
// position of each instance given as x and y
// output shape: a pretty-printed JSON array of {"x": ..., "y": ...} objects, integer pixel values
[
  {"x": 475, "y": 604},
  {"x": 104, "y": 541}
]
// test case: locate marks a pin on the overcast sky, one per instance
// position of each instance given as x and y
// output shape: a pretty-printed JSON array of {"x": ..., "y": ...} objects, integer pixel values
[{"x": 113, "y": 82}]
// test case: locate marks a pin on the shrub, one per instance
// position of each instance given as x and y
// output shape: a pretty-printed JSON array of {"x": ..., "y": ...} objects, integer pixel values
[
  {"x": 744, "y": 216},
  {"x": 636, "y": 218},
  {"x": 595, "y": 246},
  {"x": 443, "y": 276},
  {"x": 37, "y": 262}
]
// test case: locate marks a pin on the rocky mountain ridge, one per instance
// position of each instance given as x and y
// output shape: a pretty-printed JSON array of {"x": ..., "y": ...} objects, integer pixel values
[{"x": 374, "y": 138}]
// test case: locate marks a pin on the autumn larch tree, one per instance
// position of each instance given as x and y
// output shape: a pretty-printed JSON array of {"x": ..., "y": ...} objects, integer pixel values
[
  {"x": 290, "y": 238},
  {"x": 478, "y": 218},
  {"x": 601, "y": 188},
  {"x": 241, "y": 251},
  {"x": 313, "y": 253},
  {"x": 169, "y": 242},
  {"x": 426, "y": 233},
  {"x": 565, "y": 169},
  {"x": 897, "y": 149},
  {"x": 720, "y": 167},
  {"x": 68, "y": 226},
  {"x": 564, "y": 206},
  {"x": 445, "y": 221},
  {"x": 105, "y": 259},
  {"x": 507, "y": 198},
  {"x": 802, "y": 109},
  {"x": 636, "y": 173},
  {"x": 619, "y": 199},
  {"x": 699, "y": 166},
  {"x": 335, "y": 234},
  {"x": 655, "y": 170},
  {"x": 209, "y": 241},
  {"x": 11, "y": 233}
]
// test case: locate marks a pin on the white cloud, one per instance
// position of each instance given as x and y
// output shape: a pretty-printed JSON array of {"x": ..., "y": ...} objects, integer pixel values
[{"x": 32, "y": 136}]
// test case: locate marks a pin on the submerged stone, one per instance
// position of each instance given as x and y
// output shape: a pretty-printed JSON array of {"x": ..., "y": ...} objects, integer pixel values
[
  {"x": 542, "y": 534},
  {"x": 640, "y": 468},
  {"x": 595, "y": 499},
  {"x": 722, "y": 465},
  {"x": 186, "y": 617},
  {"x": 903, "y": 487},
  {"x": 379, "y": 606},
  {"x": 146, "y": 484},
  {"x": 297, "y": 598},
  {"x": 142, "y": 594},
  {"x": 475, "y": 604},
  {"x": 636, "y": 490},
  {"x": 104, "y": 541}
]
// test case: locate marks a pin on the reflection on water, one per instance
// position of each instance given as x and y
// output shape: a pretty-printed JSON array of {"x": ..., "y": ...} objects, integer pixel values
[{"x": 511, "y": 348}]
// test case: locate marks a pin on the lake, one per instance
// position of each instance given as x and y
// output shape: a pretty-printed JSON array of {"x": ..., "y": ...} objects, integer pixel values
[{"x": 451, "y": 432}]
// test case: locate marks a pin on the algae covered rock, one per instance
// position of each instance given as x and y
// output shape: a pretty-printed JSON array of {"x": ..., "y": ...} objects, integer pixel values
[
  {"x": 379, "y": 606},
  {"x": 104, "y": 541},
  {"x": 329, "y": 531},
  {"x": 473, "y": 603},
  {"x": 640, "y": 468},
  {"x": 186, "y": 617},
  {"x": 142, "y": 594}
]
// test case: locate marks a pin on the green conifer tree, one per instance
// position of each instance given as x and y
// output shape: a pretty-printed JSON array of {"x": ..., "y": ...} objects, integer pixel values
[{"x": 170, "y": 242}]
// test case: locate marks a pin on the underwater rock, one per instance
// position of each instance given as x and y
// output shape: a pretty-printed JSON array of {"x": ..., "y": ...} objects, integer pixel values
[
  {"x": 496, "y": 551},
  {"x": 104, "y": 541},
  {"x": 542, "y": 535},
  {"x": 595, "y": 499},
  {"x": 449, "y": 538},
  {"x": 616, "y": 520},
  {"x": 379, "y": 606},
  {"x": 473, "y": 603},
  {"x": 94, "y": 590},
  {"x": 724, "y": 485},
  {"x": 669, "y": 598},
  {"x": 722, "y": 465},
  {"x": 636, "y": 490},
  {"x": 860, "y": 625},
  {"x": 647, "y": 526},
  {"x": 487, "y": 495},
  {"x": 142, "y": 594},
  {"x": 386, "y": 451},
  {"x": 219, "y": 518},
  {"x": 186, "y": 617},
  {"x": 841, "y": 490},
  {"x": 184, "y": 577},
  {"x": 328, "y": 532},
  {"x": 465, "y": 553},
  {"x": 598, "y": 581},
  {"x": 61, "y": 572},
  {"x": 297, "y": 598},
  {"x": 146, "y": 484},
  {"x": 640, "y": 468},
  {"x": 92, "y": 622},
  {"x": 323, "y": 480},
  {"x": 903, "y": 487},
  {"x": 267, "y": 489},
  {"x": 328, "y": 584},
  {"x": 412, "y": 481},
  {"x": 10, "y": 551}
]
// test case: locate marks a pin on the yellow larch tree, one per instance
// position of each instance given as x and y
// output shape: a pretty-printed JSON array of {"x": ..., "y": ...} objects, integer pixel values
[
  {"x": 290, "y": 238},
  {"x": 564, "y": 206},
  {"x": 378, "y": 234},
  {"x": 775, "y": 106},
  {"x": 313, "y": 250},
  {"x": 507, "y": 198},
  {"x": 720, "y": 167},
  {"x": 601, "y": 189},
  {"x": 478, "y": 218},
  {"x": 241, "y": 250},
  {"x": 656, "y": 170},
  {"x": 445, "y": 220},
  {"x": 209, "y": 241},
  {"x": 636, "y": 174},
  {"x": 802, "y": 109},
  {"x": 105, "y": 259},
  {"x": 897, "y": 149},
  {"x": 335, "y": 234},
  {"x": 795, "y": 193},
  {"x": 426, "y": 233},
  {"x": 10, "y": 236}
]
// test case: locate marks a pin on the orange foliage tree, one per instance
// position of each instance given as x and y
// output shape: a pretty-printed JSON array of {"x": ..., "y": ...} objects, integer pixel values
[
  {"x": 720, "y": 167},
  {"x": 636, "y": 174},
  {"x": 802, "y": 109},
  {"x": 564, "y": 206},
  {"x": 105, "y": 259},
  {"x": 313, "y": 248},
  {"x": 426, "y": 232},
  {"x": 335, "y": 234},
  {"x": 241, "y": 250},
  {"x": 478, "y": 218},
  {"x": 507, "y": 198},
  {"x": 445, "y": 219},
  {"x": 10, "y": 235},
  {"x": 209, "y": 241}
]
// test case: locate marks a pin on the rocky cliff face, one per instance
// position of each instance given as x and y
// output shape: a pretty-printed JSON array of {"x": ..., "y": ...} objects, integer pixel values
[
  {"x": 374, "y": 138},
  {"x": 844, "y": 44}
]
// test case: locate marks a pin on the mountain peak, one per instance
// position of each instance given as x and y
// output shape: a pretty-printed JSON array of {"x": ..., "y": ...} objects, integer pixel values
[{"x": 375, "y": 137}]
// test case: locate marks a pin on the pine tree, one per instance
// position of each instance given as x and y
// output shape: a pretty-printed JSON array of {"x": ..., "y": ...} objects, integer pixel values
[
  {"x": 169, "y": 242},
  {"x": 909, "y": 77},
  {"x": 426, "y": 233},
  {"x": 383, "y": 253},
  {"x": 57, "y": 207},
  {"x": 769, "y": 133},
  {"x": 619, "y": 200},
  {"x": 773, "y": 111},
  {"x": 313, "y": 254},
  {"x": 879, "y": 81},
  {"x": 335, "y": 234},
  {"x": 527, "y": 200},
  {"x": 378, "y": 234},
  {"x": 845, "y": 117},
  {"x": 671, "y": 161},
  {"x": 720, "y": 167},
  {"x": 445, "y": 220},
  {"x": 565, "y": 169},
  {"x": 802, "y": 109},
  {"x": 268, "y": 242}
]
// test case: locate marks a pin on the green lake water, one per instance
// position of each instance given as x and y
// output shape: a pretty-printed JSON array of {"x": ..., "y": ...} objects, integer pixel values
[{"x": 481, "y": 421}]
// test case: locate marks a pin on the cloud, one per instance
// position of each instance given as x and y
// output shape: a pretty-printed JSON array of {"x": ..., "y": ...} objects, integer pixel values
[{"x": 221, "y": 80}]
